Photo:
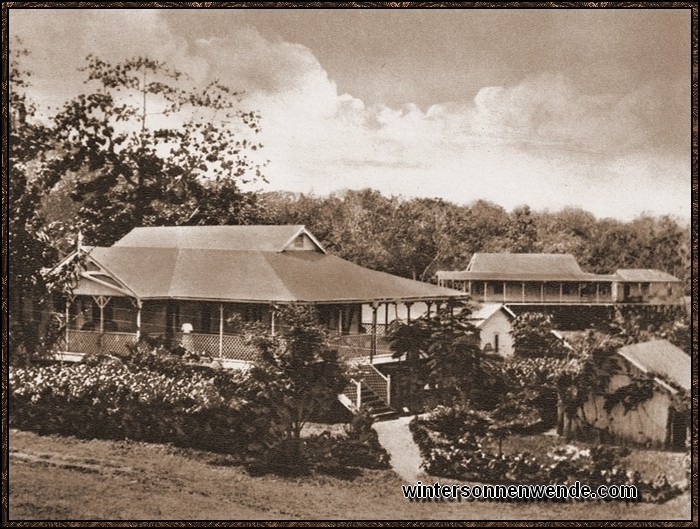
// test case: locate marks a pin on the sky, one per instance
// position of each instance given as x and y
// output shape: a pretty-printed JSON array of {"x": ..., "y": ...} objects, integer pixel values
[{"x": 551, "y": 108}]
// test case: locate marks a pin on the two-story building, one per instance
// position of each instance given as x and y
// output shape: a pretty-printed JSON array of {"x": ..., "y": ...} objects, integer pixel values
[{"x": 547, "y": 279}]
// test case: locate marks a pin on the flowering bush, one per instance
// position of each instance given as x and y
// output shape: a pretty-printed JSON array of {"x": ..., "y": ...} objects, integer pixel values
[
  {"x": 463, "y": 457},
  {"x": 110, "y": 399}
]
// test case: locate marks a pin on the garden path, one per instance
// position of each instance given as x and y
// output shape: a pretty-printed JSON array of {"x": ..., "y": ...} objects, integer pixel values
[{"x": 397, "y": 439}]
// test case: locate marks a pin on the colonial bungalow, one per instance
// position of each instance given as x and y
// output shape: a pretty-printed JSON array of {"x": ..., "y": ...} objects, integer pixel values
[
  {"x": 196, "y": 285},
  {"x": 661, "y": 420},
  {"x": 557, "y": 279}
]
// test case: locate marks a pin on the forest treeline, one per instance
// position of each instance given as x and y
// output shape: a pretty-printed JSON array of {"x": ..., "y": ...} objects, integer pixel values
[{"x": 415, "y": 237}]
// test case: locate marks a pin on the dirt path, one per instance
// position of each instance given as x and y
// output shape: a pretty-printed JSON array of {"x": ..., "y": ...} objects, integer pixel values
[{"x": 397, "y": 439}]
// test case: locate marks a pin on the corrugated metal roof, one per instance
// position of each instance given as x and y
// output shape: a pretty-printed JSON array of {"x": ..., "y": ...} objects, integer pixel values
[
  {"x": 645, "y": 275},
  {"x": 255, "y": 276},
  {"x": 525, "y": 263},
  {"x": 521, "y": 267},
  {"x": 543, "y": 267},
  {"x": 660, "y": 357},
  {"x": 257, "y": 238}
]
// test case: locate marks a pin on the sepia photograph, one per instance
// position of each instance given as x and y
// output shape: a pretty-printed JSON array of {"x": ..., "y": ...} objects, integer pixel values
[{"x": 382, "y": 262}]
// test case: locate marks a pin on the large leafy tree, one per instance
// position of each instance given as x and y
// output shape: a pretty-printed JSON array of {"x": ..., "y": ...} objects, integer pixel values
[
  {"x": 442, "y": 350},
  {"x": 533, "y": 337},
  {"x": 296, "y": 374},
  {"x": 33, "y": 243},
  {"x": 522, "y": 232},
  {"x": 145, "y": 147}
]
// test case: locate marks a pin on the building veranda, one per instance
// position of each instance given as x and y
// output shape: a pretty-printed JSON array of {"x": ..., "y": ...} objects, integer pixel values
[{"x": 196, "y": 286}]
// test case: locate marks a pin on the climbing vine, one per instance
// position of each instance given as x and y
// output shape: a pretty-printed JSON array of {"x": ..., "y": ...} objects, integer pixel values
[{"x": 631, "y": 395}]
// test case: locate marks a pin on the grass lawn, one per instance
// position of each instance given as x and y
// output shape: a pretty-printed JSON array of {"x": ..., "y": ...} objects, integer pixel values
[{"x": 63, "y": 478}]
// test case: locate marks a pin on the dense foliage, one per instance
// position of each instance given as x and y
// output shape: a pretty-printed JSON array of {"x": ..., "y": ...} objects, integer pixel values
[
  {"x": 34, "y": 241},
  {"x": 144, "y": 147},
  {"x": 296, "y": 374},
  {"x": 107, "y": 398},
  {"x": 533, "y": 336},
  {"x": 442, "y": 350},
  {"x": 153, "y": 395},
  {"x": 452, "y": 445},
  {"x": 416, "y": 237}
]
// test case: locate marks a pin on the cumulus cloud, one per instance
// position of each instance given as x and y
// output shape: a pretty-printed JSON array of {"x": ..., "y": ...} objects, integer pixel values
[
  {"x": 543, "y": 140},
  {"x": 550, "y": 109}
]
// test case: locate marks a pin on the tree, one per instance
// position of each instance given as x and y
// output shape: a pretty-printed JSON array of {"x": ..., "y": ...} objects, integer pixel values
[
  {"x": 635, "y": 324},
  {"x": 33, "y": 243},
  {"x": 146, "y": 148},
  {"x": 522, "y": 232},
  {"x": 533, "y": 337},
  {"x": 443, "y": 350},
  {"x": 296, "y": 374}
]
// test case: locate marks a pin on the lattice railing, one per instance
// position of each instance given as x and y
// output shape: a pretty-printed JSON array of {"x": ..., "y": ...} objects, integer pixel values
[
  {"x": 358, "y": 345},
  {"x": 202, "y": 344},
  {"x": 228, "y": 346},
  {"x": 87, "y": 342},
  {"x": 353, "y": 393},
  {"x": 93, "y": 342},
  {"x": 377, "y": 382},
  {"x": 381, "y": 328},
  {"x": 352, "y": 346},
  {"x": 117, "y": 342},
  {"x": 235, "y": 348}
]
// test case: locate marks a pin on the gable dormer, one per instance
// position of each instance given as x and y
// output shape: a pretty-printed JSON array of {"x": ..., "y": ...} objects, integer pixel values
[
  {"x": 101, "y": 281},
  {"x": 303, "y": 242}
]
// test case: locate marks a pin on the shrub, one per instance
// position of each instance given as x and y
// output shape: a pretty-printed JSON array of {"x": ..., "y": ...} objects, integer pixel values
[
  {"x": 461, "y": 456},
  {"x": 109, "y": 399},
  {"x": 342, "y": 456}
]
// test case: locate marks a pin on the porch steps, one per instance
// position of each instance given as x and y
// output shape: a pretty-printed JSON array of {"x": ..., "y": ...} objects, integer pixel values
[
  {"x": 377, "y": 408},
  {"x": 374, "y": 390}
]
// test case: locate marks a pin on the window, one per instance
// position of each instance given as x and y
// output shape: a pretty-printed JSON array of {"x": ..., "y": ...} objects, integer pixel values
[
  {"x": 299, "y": 242},
  {"x": 495, "y": 342}
]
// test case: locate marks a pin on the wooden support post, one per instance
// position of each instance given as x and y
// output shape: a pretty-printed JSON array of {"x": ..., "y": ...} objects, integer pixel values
[
  {"x": 386, "y": 315},
  {"x": 340, "y": 322},
  {"x": 388, "y": 390},
  {"x": 358, "y": 399},
  {"x": 373, "y": 345},
  {"x": 67, "y": 320},
  {"x": 101, "y": 302},
  {"x": 485, "y": 287},
  {"x": 561, "y": 292},
  {"x": 504, "y": 292},
  {"x": 542, "y": 291},
  {"x": 272, "y": 320},
  {"x": 221, "y": 330},
  {"x": 428, "y": 304},
  {"x": 408, "y": 311},
  {"x": 139, "y": 304}
]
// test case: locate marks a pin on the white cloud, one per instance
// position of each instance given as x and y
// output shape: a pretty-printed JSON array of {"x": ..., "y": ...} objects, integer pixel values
[{"x": 543, "y": 141}]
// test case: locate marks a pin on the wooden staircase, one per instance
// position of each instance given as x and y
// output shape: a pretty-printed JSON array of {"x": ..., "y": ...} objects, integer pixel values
[{"x": 372, "y": 391}]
